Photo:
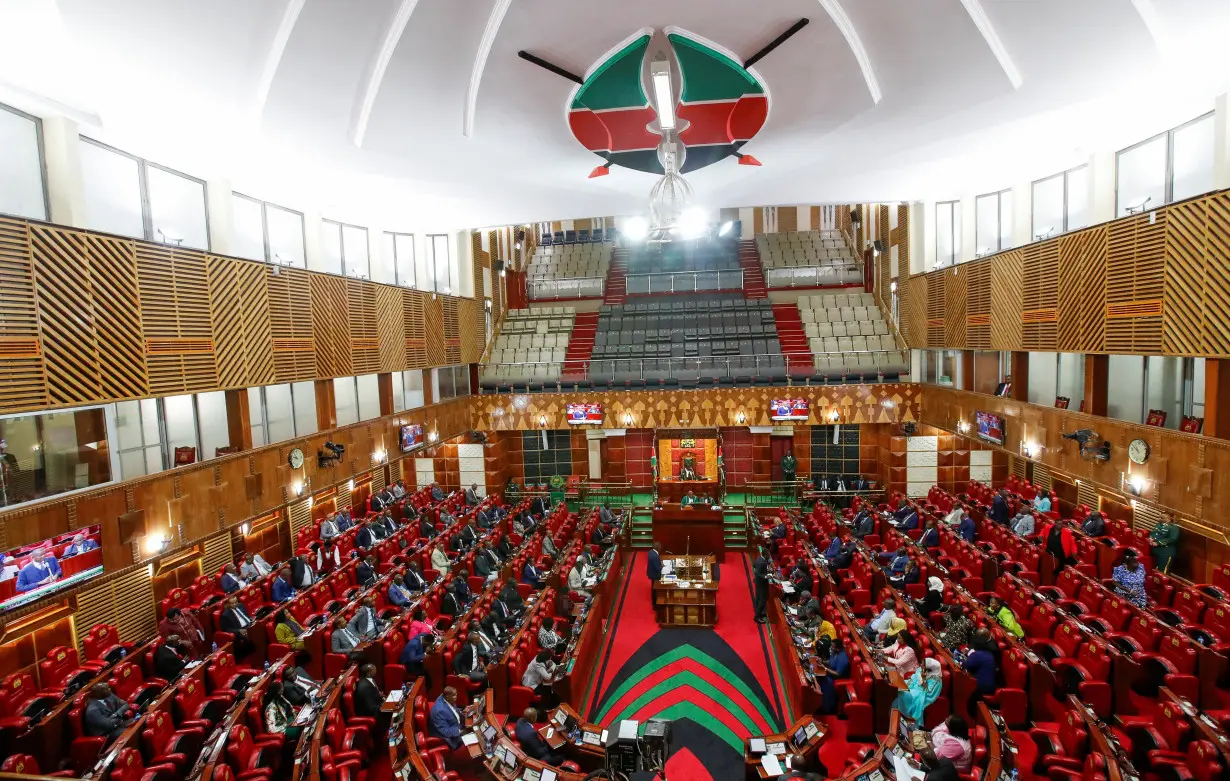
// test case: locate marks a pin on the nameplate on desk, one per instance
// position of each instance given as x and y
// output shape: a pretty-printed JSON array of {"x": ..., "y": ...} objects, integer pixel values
[
  {"x": 530, "y": 774},
  {"x": 771, "y": 766},
  {"x": 811, "y": 730},
  {"x": 469, "y": 739},
  {"x": 756, "y": 745},
  {"x": 777, "y": 748},
  {"x": 591, "y": 739}
]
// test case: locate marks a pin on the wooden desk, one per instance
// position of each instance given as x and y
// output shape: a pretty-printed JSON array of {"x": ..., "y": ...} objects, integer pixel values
[
  {"x": 813, "y": 731},
  {"x": 687, "y": 603},
  {"x": 673, "y": 491},
  {"x": 690, "y": 530}
]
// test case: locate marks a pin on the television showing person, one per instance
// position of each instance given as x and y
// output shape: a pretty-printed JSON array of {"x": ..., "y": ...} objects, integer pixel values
[{"x": 42, "y": 570}]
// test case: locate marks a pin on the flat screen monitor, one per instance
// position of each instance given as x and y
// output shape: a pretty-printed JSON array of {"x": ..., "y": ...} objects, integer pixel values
[
  {"x": 584, "y": 414},
  {"x": 800, "y": 737},
  {"x": 788, "y": 409},
  {"x": 990, "y": 427},
  {"x": 66, "y": 560},
  {"x": 411, "y": 436}
]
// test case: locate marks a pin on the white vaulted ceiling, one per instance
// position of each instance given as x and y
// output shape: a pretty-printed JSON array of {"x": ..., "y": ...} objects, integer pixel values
[{"x": 273, "y": 94}]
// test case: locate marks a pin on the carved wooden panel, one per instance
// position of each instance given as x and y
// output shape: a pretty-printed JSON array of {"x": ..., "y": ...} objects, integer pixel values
[
  {"x": 883, "y": 261},
  {"x": 1039, "y": 295},
  {"x": 330, "y": 324},
  {"x": 978, "y": 305},
  {"x": 1006, "y": 270},
  {"x": 290, "y": 324},
  {"x": 1082, "y": 290},
  {"x": 22, "y": 379},
  {"x": 1135, "y": 282},
  {"x": 364, "y": 334},
  {"x": 955, "y": 296}
]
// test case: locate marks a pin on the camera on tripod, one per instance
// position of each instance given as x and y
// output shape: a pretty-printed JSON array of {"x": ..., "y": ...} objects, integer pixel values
[{"x": 330, "y": 453}]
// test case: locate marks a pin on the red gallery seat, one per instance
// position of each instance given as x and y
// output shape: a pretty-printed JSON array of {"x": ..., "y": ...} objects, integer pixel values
[
  {"x": 131, "y": 686},
  {"x": 102, "y": 644},
  {"x": 1062, "y": 744},
  {"x": 168, "y": 745},
  {"x": 62, "y": 669},
  {"x": 196, "y": 708},
  {"x": 21, "y": 700},
  {"x": 25, "y": 765},
  {"x": 346, "y": 742},
  {"x": 224, "y": 673},
  {"x": 129, "y": 767},
  {"x": 250, "y": 758},
  {"x": 1159, "y": 740}
]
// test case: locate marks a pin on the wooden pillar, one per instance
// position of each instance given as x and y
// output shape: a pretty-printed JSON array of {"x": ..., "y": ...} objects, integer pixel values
[
  {"x": 238, "y": 419},
  {"x": 384, "y": 386},
  {"x": 429, "y": 394},
  {"x": 967, "y": 370},
  {"x": 1217, "y": 398},
  {"x": 326, "y": 406},
  {"x": 1020, "y": 375},
  {"x": 1097, "y": 372}
]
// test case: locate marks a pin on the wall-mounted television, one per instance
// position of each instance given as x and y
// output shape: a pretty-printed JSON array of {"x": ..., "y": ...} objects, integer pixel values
[
  {"x": 584, "y": 414},
  {"x": 990, "y": 427},
  {"x": 33, "y": 571},
  {"x": 788, "y": 409},
  {"x": 411, "y": 436}
]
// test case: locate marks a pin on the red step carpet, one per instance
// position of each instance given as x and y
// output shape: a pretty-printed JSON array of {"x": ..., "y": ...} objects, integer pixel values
[{"x": 718, "y": 686}]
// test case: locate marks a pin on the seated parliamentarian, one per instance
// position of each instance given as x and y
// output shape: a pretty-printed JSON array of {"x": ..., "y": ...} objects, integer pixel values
[
  {"x": 40, "y": 571},
  {"x": 689, "y": 499},
  {"x": 80, "y": 544},
  {"x": 532, "y": 576},
  {"x": 531, "y": 742},
  {"x": 687, "y": 467}
]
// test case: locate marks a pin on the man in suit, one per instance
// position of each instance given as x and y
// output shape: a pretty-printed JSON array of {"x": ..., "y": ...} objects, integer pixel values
[
  {"x": 80, "y": 544},
  {"x": 413, "y": 656},
  {"x": 301, "y": 573},
  {"x": 445, "y": 720},
  {"x": 427, "y": 529},
  {"x": 235, "y": 620},
  {"x": 501, "y": 615},
  {"x": 344, "y": 640},
  {"x": 105, "y": 714},
  {"x": 484, "y": 520},
  {"x": 461, "y": 587},
  {"x": 380, "y": 500},
  {"x": 366, "y": 624},
  {"x": 469, "y": 537},
  {"x": 654, "y": 568},
  {"x": 909, "y": 520},
  {"x": 342, "y": 519},
  {"x": 389, "y": 522},
  {"x": 999, "y": 508},
  {"x": 450, "y": 605},
  {"x": 931, "y": 537},
  {"x": 472, "y": 495},
  {"x": 468, "y": 662},
  {"x": 282, "y": 590},
  {"x": 864, "y": 523},
  {"x": 365, "y": 573},
  {"x": 488, "y": 648},
  {"x": 398, "y": 490},
  {"x": 365, "y": 538},
  {"x": 367, "y": 695},
  {"x": 41, "y": 570},
  {"x": 399, "y": 595},
  {"x": 436, "y": 494},
  {"x": 760, "y": 578},
  {"x": 328, "y": 529},
  {"x": 485, "y": 562},
  {"x": 539, "y": 506},
  {"x": 171, "y": 658},
  {"x": 414, "y": 579},
  {"x": 966, "y": 528},
  {"x": 531, "y": 742}
]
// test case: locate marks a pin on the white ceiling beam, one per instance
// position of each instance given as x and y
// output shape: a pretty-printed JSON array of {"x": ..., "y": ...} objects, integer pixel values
[
  {"x": 480, "y": 64},
  {"x": 273, "y": 59},
  {"x": 374, "y": 77},
  {"x": 983, "y": 23},
  {"x": 835, "y": 12},
  {"x": 1152, "y": 17}
]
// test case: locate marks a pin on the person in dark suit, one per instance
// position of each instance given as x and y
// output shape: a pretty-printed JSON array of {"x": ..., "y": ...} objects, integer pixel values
[
  {"x": 297, "y": 686},
  {"x": 282, "y": 590},
  {"x": 380, "y": 500},
  {"x": 365, "y": 538},
  {"x": 531, "y": 742},
  {"x": 367, "y": 695},
  {"x": 230, "y": 581},
  {"x": 532, "y": 576},
  {"x": 931, "y": 537},
  {"x": 449, "y": 604},
  {"x": 235, "y": 621},
  {"x": 504, "y": 547},
  {"x": 488, "y": 647},
  {"x": 484, "y": 520},
  {"x": 999, "y": 508},
  {"x": 760, "y": 578},
  {"x": 105, "y": 714},
  {"x": 469, "y": 537},
  {"x": 485, "y": 562},
  {"x": 801, "y": 578},
  {"x": 938, "y": 769},
  {"x": 501, "y": 617},
  {"x": 654, "y": 566},
  {"x": 472, "y": 495},
  {"x": 468, "y": 662},
  {"x": 444, "y": 721},
  {"x": 171, "y": 658},
  {"x": 427, "y": 529},
  {"x": 461, "y": 587},
  {"x": 539, "y": 506},
  {"x": 301, "y": 573},
  {"x": 413, "y": 656},
  {"x": 512, "y": 597},
  {"x": 80, "y": 544},
  {"x": 365, "y": 573},
  {"x": 436, "y": 494},
  {"x": 966, "y": 528},
  {"x": 414, "y": 578}
]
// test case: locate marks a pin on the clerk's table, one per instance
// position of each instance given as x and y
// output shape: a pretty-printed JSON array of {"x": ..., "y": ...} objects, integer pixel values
[
  {"x": 687, "y": 593},
  {"x": 696, "y": 529}
]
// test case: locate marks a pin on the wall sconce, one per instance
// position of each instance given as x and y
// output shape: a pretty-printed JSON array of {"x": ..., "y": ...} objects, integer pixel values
[
  {"x": 350, "y": 484},
  {"x": 888, "y": 404},
  {"x": 962, "y": 427},
  {"x": 1030, "y": 449},
  {"x": 834, "y": 415},
  {"x": 1136, "y": 484},
  {"x": 296, "y": 488},
  {"x": 243, "y": 529},
  {"x": 432, "y": 436},
  {"x": 740, "y": 418},
  {"x": 627, "y": 420},
  {"x": 380, "y": 456},
  {"x": 155, "y": 545}
]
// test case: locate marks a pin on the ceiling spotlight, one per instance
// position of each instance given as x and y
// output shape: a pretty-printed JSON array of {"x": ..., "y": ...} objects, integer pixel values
[
  {"x": 636, "y": 229},
  {"x": 663, "y": 96},
  {"x": 726, "y": 228},
  {"x": 692, "y": 223}
]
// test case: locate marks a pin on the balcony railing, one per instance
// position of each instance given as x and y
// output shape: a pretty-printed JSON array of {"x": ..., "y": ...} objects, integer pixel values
[
  {"x": 684, "y": 281},
  {"x": 576, "y": 287},
  {"x": 814, "y": 276}
]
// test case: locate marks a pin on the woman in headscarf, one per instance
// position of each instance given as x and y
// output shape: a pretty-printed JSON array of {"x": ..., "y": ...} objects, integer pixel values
[
  {"x": 933, "y": 600},
  {"x": 924, "y": 689}
]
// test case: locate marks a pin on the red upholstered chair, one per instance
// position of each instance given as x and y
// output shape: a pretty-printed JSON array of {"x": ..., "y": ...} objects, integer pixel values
[
  {"x": 177, "y": 597},
  {"x": 421, "y": 708},
  {"x": 1159, "y": 739},
  {"x": 1062, "y": 744},
  {"x": 1012, "y": 699},
  {"x": 131, "y": 686},
  {"x": 62, "y": 669},
  {"x": 21, "y": 700},
  {"x": 102, "y": 644},
  {"x": 520, "y": 698},
  {"x": 224, "y": 673},
  {"x": 353, "y": 719},
  {"x": 346, "y": 742},
  {"x": 25, "y": 765},
  {"x": 435, "y": 760},
  {"x": 195, "y": 708},
  {"x": 334, "y": 769},
  {"x": 1063, "y": 642},
  {"x": 1143, "y": 634},
  {"x": 168, "y": 745},
  {"x": 1202, "y": 763},
  {"x": 129, "y": 767},
  {"x": 252, "y": 759}
]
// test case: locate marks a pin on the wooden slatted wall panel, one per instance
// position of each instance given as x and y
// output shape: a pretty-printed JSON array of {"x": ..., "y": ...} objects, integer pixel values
[
  {"x": 978, "y": 305},
  {"x": 1006, "y": 271},
  {"x": 451, "y": 315},
  {"x": 913, "y": 307},
  {"x": 1082, "y": 290},
  {"x": 290, "y": 324},
  {"x": 218, "y": 552},
  {"x": 330, "y": 323},
  {"x": 23, "y": 381},
  {"x": 902, "y": 237},
  {"x": 364, "y": 336},
  {"x": 127, "y": 602},
  {"x": 1186, "y": 259},
  {"x": 179, "y": 349},
  {"x": 300, "y": 516},
  {"x": 936, "y": 285},
  {"x": 226, "y": 305},
  {"x": 70, "y": 348},
  {"x": 257, "y": 328},
  {"x": 1135, "y": 284},
  {"x": 116, "y": 299},
  {"x": 883, "y": 264},
  {"x": 433, "y": 319},
  {"x": 1216, "y": 301},
  {"x": 415, "y": 322},
  {"x": 195, "y": 323},
  {"x": 392, "y": 329},
  {"x": 1039, "y": 295},
  {"x": 787, "y": 218},
  {"x": 955, "y": 304},
  {"x": 470, "y": 327}
]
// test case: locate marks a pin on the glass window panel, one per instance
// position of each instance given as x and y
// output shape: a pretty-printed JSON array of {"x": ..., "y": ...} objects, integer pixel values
[
  {"x": 1125, "y": 387},
  {"x": 1165, "y": 387},
  {"x": 424, "y": 267},
  {"x": 112, "y": 189},
  {"x": 21, "y": 166},
  {"x": 345, "y": 400},
  {"x": 1193, "y": 159},
  {"x": 1047, "y": 207},
  {"x": 439, "y": 250},
  {"x": 399, "y": 391},
  {"x": 149, "y": 422},
  {"x": 153, "y": 460},
  {"x": 132, "y": 464},
  {"x": 354, "y": 252},
  {"x": 943, "y": 233},
  {"x": 249, "y": 223},
  {"x": 1077, "y": 212},
  {"x": 256, "y": 417},
  {"x": 331, "y": 247},
  {"x": 213, "y": 423},
  {"x": 413, "y": 388},
  {"x": 128, "y": 425},
  {"x": 462, "y": 380},
  {"x": 405, "y": 259},
  {"x": 177, "y": 208},
  {"x": 1141, "y": 178},
  {"x": 279, "y": 412},
  {"x": 1043, "y": 378},
  {"x": 305, "y": 408},
  {"x": 1005, "y": 219},
  {"x": 1072, "y": 378},
  {"x": 180, "y": 424},
  {"x": 369, "y": 396},
  {"x": 986, "y": 224},
  {"x": 388, "y": 248},
  {"x": 50, "y": 453},
  {"x": 285, "y": 236}
]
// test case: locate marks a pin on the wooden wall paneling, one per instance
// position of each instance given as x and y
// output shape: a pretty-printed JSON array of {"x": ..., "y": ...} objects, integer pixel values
[
  {"x": 127, "y": 602},
  {"x": 1081, "y": 290},
  {"x": 758, "y": 220},
  {"x": 176, "y": 320},
  {"x": 883, "y": 265},
  {"x": 364, "y": 336},
  {"x": 433, "y": 320},
  {"x": 787, "y": 219},
  {"x": 234, "y": 505},
  {"x": 902, "y": 238},
  {"x": 954, "y": 312},
  {"x": 116, "y": 302},
  {"x": 1186, "y": 259},
  {"x": 295, "y": 343},
  {"x": 23, "y": 380},
  {"x": 331, "y": 326},
  {"x": 1039, "y": 295},
  {"x": 65, "y": 312},
  {"x": 257, "y": 328},
  {"x": 1215, "y": 300},
  {"x": 1135, "y": 282},
  {"x": 1006, "y": 269},
  {"x": 978, "y": 305},
  {"x": 450, "y": 315},
  {"x": 912, "y": 293},
  {"x": 226, "y": 309},
  {"x": 414, "y": 320},
  {"x": 195, "y": 511},
  {"x": 471, "y": 330},
  {"x": 392, "y": 329},
  {"x": 936, "y": 288}
]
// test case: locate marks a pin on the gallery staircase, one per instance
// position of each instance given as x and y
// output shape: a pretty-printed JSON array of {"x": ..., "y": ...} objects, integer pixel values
[
  {"x": 792, "y": 337},
  {"x": 580, "y": 347},
  {"x": 753, "y": 273},
  {"x": 616, "y": 284}
]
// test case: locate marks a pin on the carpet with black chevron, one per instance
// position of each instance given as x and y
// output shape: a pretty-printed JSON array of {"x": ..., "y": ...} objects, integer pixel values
[{"x": 717, "y": 686}]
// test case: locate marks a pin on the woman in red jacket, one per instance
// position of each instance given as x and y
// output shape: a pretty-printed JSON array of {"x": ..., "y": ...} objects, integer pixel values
[{"x": 1059, "y": 540}]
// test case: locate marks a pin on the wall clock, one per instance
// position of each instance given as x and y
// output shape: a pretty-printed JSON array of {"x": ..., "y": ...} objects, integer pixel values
[
  {"x": 295, "y": 459},
  {"x": 1138, "y": 451}
]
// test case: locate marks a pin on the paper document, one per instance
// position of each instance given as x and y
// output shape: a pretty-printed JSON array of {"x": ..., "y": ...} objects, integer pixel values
[
  {"x": 777, "y": 748},
  {"x": 395, "y": 696},
  {"x": 904, "y": 770},
  {"x": 469, "y": 739},
  {"x": 771, "y": 765},
  {"x": 787, "y": 588}
]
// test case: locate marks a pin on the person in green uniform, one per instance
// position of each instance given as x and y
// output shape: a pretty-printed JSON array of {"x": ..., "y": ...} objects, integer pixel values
[
  {"x": 789, "y": 466},
  {"x": 689, "y": 499},
  {"x": 687, "y": 466},
  {"x": 1164, "y": 540}
]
